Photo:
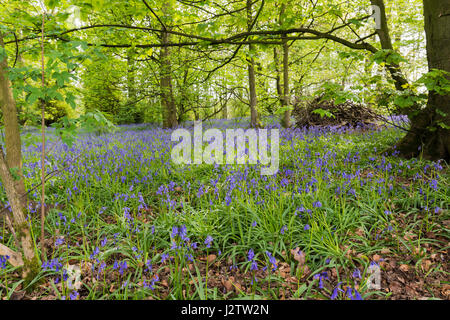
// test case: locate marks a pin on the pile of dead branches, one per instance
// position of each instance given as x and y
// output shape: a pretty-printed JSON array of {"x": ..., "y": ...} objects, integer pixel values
[{"x": 327, "y": 113}]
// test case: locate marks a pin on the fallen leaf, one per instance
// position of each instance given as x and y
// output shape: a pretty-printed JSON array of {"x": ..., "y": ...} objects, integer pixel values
[
  {"x": 211, "y": 258},
  {"x": 395, "y": 287},
  {"x": 404, "y": 267},
  {"x": 426, "y": 264},
  {"x": 227, "y": 284},
  {"x": 298, "y": 256}
]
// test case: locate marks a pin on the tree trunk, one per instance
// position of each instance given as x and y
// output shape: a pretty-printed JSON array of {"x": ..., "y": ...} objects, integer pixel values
[
  {"x": 11, "y": 172},
  {"x": 386, "y": 44},
  {"x": 131, "y": 90},
  {"x": 253, "y": 98},
  {"x": 434, "y": 144},
  {"x": 131, "y": 78},
  {"x": 196, "y": 115},
  {"x": 285, "y": 96},
  {"x": 170, "y": 119},
  {"x": 13, "y": 143},
  {"x": 286, "y": 121},
  {"x": 170, "y": 114},
  {"x": 225, "y": 107},
  {"x": 278, "y": 75},
  {"x": 254, "y": 117}
]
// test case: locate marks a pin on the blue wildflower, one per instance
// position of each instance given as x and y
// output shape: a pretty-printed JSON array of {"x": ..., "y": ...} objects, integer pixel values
[{"x": 208, "y": 241}]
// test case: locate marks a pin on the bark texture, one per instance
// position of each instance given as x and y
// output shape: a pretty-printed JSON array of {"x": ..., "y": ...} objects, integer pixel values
[
  {"x": 286, "y": 91},
  {"x": 285, "y": 101},
  {"x": 254, "y": 117},
  {"x": 386, "y": 44},
  {"x": 13, "y": 143},
  {"x": 170, "y": 117},
  {"x": 11, "y": 172},
  {"x": 435, "y": 143},
  {"x": 170, "y": 111}
]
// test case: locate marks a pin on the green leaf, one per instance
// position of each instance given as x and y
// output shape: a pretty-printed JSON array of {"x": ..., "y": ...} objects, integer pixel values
[
  {"x": 388, "y": 56},
  {"x": 52, "y": 3},
  {"x": 324, "y": 113},
  {"x": 437, "y": 81},
  {"x": 443, "y": 125},
  {"x": 441, "y": 113},
  {"x": 15, "y": 173},
  {"x": 3, "y": 54}
]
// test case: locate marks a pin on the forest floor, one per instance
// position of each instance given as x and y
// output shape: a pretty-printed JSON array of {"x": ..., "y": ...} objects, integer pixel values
[{"x": 124, "y": 222}]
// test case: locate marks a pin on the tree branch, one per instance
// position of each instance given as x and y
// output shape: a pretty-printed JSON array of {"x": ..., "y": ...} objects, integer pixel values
[{"x": 15, "y": 259}]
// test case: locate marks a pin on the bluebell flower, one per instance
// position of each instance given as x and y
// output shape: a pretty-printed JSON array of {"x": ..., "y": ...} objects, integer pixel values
[
  {"x": 317, "y": 204},
  {"x": 251, "y": 255},
  {"x": 357, "y": 296},
  {"x": 59, "y": 241},
  {"x": 349, "y": 293},
  {"x": 152, "y": 283},
  {"x": 164, "y": 257},
  {"x": 356, "y": 274},
  {"x": 123, "y": 267},
  {"x": 74, "y": 295},
  {"x": 336, "y": 290},
  {"x": 65, "y": 276},
  {"x": 272, "y": 260},
  {"x": 208, "y": 241},
  {"x": 321, "y": 276},
  {"x": 3, "y": 261}
]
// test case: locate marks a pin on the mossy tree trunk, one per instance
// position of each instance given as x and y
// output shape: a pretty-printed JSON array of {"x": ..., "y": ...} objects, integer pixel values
[
  {"x": 11, "y": 172},
  {"x": 429, "y": 134},
  {"x": 12, "y": 132}
]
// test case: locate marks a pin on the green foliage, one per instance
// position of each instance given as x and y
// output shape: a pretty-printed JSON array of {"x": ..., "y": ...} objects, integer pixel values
[
  {"x": 283, "y": 109},
  {"x": 3, "y": 53},
  {"x": 324, "y": 113},
  {"x": 408, "y": 98},
  {"x": 336, "y": 93},
  {"x": 414, "y": 95},
  {"x": 92, "y": 122},
  {"x": 385, "y": 56},
  {"x": 15, "y": 173},
  {"x": 351, "y": 55},
  {"x": 436, "y": 81}
]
